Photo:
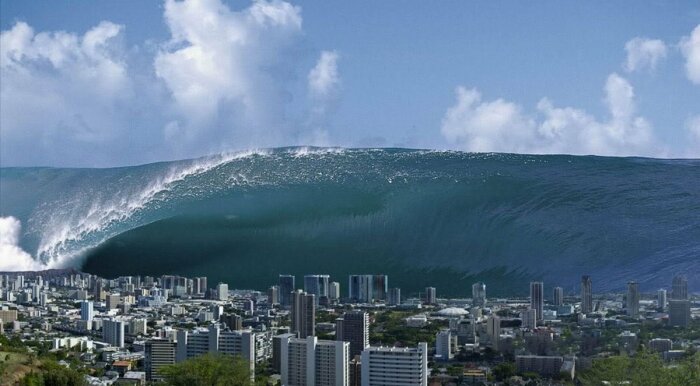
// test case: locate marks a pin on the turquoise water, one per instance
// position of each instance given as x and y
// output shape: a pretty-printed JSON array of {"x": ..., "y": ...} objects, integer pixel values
[{"x": 444, "y": 219}]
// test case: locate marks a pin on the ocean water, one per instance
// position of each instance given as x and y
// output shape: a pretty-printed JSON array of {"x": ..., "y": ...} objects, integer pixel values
[{"x": 444, "y": 219}]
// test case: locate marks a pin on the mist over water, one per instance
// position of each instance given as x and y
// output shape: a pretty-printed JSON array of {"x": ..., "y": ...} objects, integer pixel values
[{"x": 424, "y": 218}]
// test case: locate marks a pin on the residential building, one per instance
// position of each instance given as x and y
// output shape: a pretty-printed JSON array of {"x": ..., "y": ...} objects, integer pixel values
[
  {"x": 287, "y": 286},
  {"x": 479, "y": 294},
  {"x": 222, "y": 291},
  {"x": 443, "y": 345},
  {"x": 430, "y": 295},
  {"x": 537, "y": 299},
  {"x": 406, "y": 366},
  {"x": 679, "y": 313},
  {"x": 353, "y": 327},
  {"x": 632, "y": 299},
  {"x": 394, "y": 297},
  {"x": 158, "y": 353},
  {"x": 680, "y": 288},
  {"x": 303, "y": 314},
  {"x": 558, "y": 296},
  {"x": 586, "y": 294},
  {"x": 311, "y": 362},
  {"x": 113, "y": 332}
]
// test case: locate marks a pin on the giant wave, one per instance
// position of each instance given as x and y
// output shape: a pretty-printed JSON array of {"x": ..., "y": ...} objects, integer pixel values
[{"x": 423, "y": 217}]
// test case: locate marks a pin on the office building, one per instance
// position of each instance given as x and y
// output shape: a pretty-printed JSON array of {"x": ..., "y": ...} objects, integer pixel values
[
  {"x": 303, "y": 314},
  {"x": 406, "y": 366},
  {"x": 368, "y": 288},
  {"x": 334, "y": 291},
  {"x": 200, "y": 341},
  {"x": 493, "y": 330},
  {"x": 222, "y": 291},
  {"x": 586, "y": 294},
  {"x": 113, "y": 332},
  {"x": 558, "y": 296},
  {"x": 537, "y": 298},
  {"x": 679, "y": 288},
  {"x": 112, "y": 301},
  {"x": 430, "y": 295},
  {"x": 443, "y": 345},
  {"x": 273, "y": 295},
  {"x": 159, "y": 353},
  {"x": 479, "y": 294},
  {"x": 661, "y": 299},
  {"x": 287, "y": 286},
  {"x": 353, "y": 327},
  {"x": 632, "y": 299},
  {"x": 316, "y": 285},
  {"x": 87, "y": 312},
  {"x": 679, "y": 313},
  {"x": 313, "y": 362},
  {"x": 394, "y": 297},
  {"x": 529, "y": 318},
  {"x": 277, "y": 350}
]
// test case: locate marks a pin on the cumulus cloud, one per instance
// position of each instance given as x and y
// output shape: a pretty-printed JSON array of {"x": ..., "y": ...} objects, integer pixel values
[
  {"x": 323, "y": 78},
  {"x": 503, "y": 126},
  {"x": 690, "y": 47},
  {"x": 693, "y": 127},
  {"x": 12, "y": 257},
  {"x": 60, "y": 89},
  {"x": 644, "y": 54},
  {"x": 226, "y": 69}
]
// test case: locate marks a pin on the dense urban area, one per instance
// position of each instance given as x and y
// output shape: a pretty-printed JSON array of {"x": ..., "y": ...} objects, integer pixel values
[{"x": 64, "y": 327}]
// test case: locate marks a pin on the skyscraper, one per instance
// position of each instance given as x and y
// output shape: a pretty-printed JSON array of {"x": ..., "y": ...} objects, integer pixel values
[
  {"x": 443, "y": 344},
  {"x": 273, "y": 295},
  {"x": 661, "y": 299},
  {"x": 353, "y": 327},
  {"x": 287, "y": 286},
  {"x": 430, "y": 295},
  {"x": 406, "y": 366},
  {"x": 113, "y": 332},
  {"x": 368, "y": 288},
  {"x": 558, "y": 296},
  {"x": 316, "y": 285},
  {"x": 680, "y": 288},
  {"x": 394, "y": 297},
  {"x": 303, "y": 314},
  {"x": 222, "y": 291},
  {"x": 493, "y": 330},
  {"x": 586, "y": 294},
  {"x": 679, "y": 313},
  {"x": 86, "y": 311},
  {"x": 479, "y": 294},
  {"x": 334, "y": 290},
  {"x": 633, "y": 299},
  {"x": 537, "y": 298}
]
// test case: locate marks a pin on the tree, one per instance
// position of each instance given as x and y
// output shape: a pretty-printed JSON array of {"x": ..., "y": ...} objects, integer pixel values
[
  {"x": 503, "y": 371},
  {"x": 209, "y": 370}
]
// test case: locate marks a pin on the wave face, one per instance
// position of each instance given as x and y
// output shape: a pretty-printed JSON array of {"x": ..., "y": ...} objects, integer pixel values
[{"x": 424, "y": 218}]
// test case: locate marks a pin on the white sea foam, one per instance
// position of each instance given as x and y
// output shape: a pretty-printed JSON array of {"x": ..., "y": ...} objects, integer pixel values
[
  {"x": 12, "y": 256},
  {"x": 70, "y": 228}
]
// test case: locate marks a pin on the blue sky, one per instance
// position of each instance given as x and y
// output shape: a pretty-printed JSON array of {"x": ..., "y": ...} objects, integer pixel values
[{"x": 115, "y": 83}]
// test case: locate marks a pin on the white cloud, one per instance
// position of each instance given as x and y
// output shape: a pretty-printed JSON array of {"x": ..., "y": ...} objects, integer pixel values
[
  {"x": 690, "y": 47},
  {"x": 60, "y": 88},
  {"x": 693, "y": 127},
  {"x": 502, "y": 126},
  {"x": 644, "y": 53},
  {"x": 226, "y": 69},
  {"x": 323, "y": 78},
  {"x": 12, "y": 257}
]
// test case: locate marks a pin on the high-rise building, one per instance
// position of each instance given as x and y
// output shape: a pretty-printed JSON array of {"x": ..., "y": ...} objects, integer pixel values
[
  {"x": 273, "y": 295},
  {"x": 353, "y": 327},
  {"x": 661, "y": 299},
  {"x": 232, "y": 321},
  {"x": 529, "y": 318},
  {"x": 199, "y": 285},
  {"x": 222, "y": 291},
  {"x": 334, "y": 291},
  {"x": 200, "y": 341},
  {"x": 159, "y": 353},
  {"x": 633, "y": 299},
  {"x": 138, "y": 326},
  {"x": 277, "y": 350},
  {"x": 679, "y": 313},
  {"x": 443, "y": 345},
  {"x": 287, "y": 286},
  {"x": 680, "y": 288},
  {"x": 87, "y": 312},
  {"x": 394, "y": 297},
  {"x": 430, "y": 295},
  {"x": 316, "y": 285},
  {"x": 406, "y": 366},
  {"x": 303, "y": 314},
  {"x": 586, "y": 294},
  {"x": 311, "y": 362},
  {"x": 112, "y": 301},
  {"x": 493, "y": 330},
  {"x": 368, "y": 288},
  {"x": 479, "y": 294},
  {"x": 113, "y": 332},
  {"x": 537, "y": 298},
  {"x": 558, "y": 296}
]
